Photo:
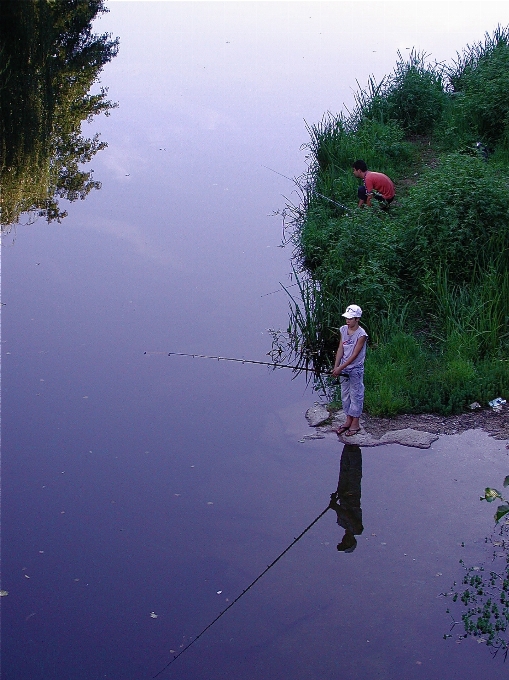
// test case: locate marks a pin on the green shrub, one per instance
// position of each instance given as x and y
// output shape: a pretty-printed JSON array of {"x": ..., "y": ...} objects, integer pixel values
[
  {"x": 415, "y": 95},
  {"x": 355, "y": 259},
  {"x": 456, "y": 219},
  {"x": 471, "y": 320}
]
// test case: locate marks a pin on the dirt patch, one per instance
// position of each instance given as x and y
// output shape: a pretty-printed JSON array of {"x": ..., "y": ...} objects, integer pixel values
[{"x": 495, "y": 423}]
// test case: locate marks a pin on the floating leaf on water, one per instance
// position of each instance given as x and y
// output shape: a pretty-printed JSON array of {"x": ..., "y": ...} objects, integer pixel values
[
  {"x": 501, "y": 511},
  {"x": 4, "y": 593},
  {"x": 490, "y": 495}
]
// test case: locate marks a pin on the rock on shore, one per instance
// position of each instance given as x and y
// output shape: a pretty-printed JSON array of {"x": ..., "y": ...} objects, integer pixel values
[{"x": 418, "y": 431}]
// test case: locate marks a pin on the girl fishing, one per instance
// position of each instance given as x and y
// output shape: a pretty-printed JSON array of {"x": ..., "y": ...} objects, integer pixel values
[{"x": 350, "y": 361}]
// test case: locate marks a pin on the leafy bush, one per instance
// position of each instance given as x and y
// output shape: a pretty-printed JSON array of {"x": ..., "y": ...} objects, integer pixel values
[
  {"x": 415, "y": 95},
  {"x": 361, "y": 263},
  {"x": 456, "y": 220}
]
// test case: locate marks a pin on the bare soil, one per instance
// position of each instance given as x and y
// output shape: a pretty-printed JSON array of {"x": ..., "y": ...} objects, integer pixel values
[{"x": 495, "y": 423}]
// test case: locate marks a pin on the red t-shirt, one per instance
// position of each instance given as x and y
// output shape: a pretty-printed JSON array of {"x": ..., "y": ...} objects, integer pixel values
[{"x": 380, "y": 183}]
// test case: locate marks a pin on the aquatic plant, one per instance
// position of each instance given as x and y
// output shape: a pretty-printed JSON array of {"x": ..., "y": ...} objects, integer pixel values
[
  {"x": 311, "y": 332},
  {"x": 486, "y": 592}
]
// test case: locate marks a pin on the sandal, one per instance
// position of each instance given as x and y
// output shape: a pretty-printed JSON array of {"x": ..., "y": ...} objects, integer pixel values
[
  {"x": 342, "y": 430},
  {"x": 352, "y": 433}
]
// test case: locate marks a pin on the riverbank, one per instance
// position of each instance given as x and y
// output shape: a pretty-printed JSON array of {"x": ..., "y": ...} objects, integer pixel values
[
  {"x": 418, "y": 430},
  {"x": 432, "y": 272}
]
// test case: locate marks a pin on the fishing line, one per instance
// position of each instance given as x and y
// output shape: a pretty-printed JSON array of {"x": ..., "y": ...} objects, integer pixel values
[
  {"x": 244, "y": 591},
  {"x": 242, "y": 361}
]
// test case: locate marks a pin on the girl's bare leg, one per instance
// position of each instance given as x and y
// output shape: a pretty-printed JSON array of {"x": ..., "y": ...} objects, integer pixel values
[{"x": 354, "y": 424}]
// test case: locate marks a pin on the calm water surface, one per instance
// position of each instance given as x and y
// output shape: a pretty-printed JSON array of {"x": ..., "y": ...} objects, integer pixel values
[{"x": 142, "y": 493}]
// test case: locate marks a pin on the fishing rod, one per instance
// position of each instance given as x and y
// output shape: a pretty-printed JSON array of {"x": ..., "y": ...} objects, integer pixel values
[
  {"x": 245, "y": 590},
  {"x": 339, "y": 205},
  {"x": 242, "y": 361},
  {"x": 280, "y": 289}
]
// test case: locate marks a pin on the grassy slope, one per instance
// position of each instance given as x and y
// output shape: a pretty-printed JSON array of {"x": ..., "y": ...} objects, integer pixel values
[{"x": 432, "y": 275}]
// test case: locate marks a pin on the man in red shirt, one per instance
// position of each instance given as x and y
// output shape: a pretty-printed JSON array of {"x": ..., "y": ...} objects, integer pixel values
[{"x": 373, "y": 184}]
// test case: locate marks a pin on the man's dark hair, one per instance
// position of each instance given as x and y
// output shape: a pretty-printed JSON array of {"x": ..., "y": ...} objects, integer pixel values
[{"x": 360, "y": 165}]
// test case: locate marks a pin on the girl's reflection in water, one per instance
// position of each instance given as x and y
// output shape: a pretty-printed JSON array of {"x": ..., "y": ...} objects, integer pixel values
[{"x": 346, "y": 502}]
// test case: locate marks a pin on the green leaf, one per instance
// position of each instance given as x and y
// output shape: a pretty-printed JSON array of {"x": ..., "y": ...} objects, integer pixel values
[
  {"x": 501, "y": 511},
  {"x": 490, "y": 495},
  {"x": 506, "y": 481}
]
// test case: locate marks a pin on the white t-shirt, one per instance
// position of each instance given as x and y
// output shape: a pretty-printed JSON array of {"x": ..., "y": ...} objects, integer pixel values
[{"x": 349, "y": 342}]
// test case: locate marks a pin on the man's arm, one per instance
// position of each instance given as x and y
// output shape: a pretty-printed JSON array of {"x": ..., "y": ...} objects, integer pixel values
[{"x": 368, "y": 183}]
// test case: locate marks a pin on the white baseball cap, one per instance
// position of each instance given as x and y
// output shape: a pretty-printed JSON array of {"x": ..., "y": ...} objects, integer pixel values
[{"x": 353, "y": 311}]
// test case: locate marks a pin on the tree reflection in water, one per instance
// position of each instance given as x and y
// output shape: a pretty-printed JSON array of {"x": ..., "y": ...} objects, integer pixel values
[
  {"x": 49, "y": 60},
  {"x": 346, "y": 502}
]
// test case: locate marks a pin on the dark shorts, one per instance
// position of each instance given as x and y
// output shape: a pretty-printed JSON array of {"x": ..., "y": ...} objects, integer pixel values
[{"x": 362, "y": 195}]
